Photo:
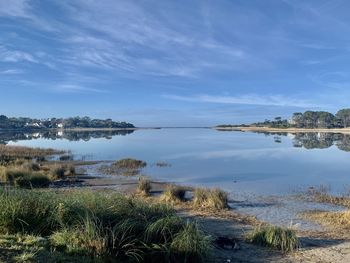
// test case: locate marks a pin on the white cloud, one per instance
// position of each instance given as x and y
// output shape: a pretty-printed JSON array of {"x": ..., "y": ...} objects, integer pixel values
[
  {"x": 7, "y": 55},
  {"x": 15, "y": 8},
  {"x": 71, "y": 88},
  {"x": 10, "y": 71},
  {"x": 249, "y": 99}
]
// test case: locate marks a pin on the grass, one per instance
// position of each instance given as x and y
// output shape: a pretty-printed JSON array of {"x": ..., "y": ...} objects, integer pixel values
[
  {"x": 321, "y": 195},
  {"x": 144, "y": 186},
  {"x": 29, "y": 248},
  {"x": 102, "y": 225},
  {"x": 283, "y": 239},
  {"x": 339, "y": 220},
  {"x": 33, "y": 175},
  {"x": 125, "y": 167},
  {"x": 129, "y": 163},
  {"x": 189, "y": 243},
  {"x": 215, "y": 199},
  {"x": 9, "y": 154},
  {"x": 174, "y": 194}
]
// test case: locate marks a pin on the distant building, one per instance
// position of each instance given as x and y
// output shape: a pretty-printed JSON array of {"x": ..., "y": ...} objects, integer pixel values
[{"x": 60, "y": 125}]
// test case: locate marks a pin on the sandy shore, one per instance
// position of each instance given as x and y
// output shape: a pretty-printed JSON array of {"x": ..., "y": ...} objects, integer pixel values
[{"x": 283, "y": 130}]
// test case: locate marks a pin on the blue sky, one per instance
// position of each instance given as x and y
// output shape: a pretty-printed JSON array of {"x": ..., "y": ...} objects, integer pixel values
[{"x": 173, "y": 62}]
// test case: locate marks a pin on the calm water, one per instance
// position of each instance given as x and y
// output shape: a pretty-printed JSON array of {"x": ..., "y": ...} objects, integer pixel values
[{"x": 239, "y": 162}]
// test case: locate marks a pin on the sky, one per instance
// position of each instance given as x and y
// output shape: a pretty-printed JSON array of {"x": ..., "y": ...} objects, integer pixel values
[{"x": 173, "y": 63}]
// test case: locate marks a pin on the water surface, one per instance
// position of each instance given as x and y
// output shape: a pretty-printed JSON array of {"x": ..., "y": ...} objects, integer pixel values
[{"x": 239, "y": 162}]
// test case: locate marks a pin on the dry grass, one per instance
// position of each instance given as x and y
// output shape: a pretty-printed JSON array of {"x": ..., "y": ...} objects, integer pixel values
[
  {"x": 130, "y": 164},
  {"x": 9, "y": 153},
  {"x": 174, "y": 194},
  {"x": 215, "y": 199},
  {"x": 330, "y": 219},
  {"x": 125, "y": 167},
  {"x": 144, "y": 186}
]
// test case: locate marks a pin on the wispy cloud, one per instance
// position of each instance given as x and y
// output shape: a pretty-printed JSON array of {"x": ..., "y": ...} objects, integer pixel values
[
  {"x": 8, "y": 55},
  {"x": 249, "y": 99},
  {"x": 10, "y": 72},
  {"x": 70, "y": 88},
  {"x": 15, "y": 8}
]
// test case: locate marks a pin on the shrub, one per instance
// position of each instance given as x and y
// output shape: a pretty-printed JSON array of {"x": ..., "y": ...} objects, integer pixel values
[
  {"x": 210, "y": 198},
  {"x": 283, "y": 239},
  {"x": 144, "y": 186},
  {"x": 174, "y": 194}
]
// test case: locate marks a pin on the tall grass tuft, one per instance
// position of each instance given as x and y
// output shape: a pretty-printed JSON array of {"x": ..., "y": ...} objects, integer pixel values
[
  {"x": 283, "y": 239},
  {"x": 210, "y": 198},
  {"x": 144, "y": 186},
  {"x": 174, "y": 194},
  {"x": 191, "y": 242}
]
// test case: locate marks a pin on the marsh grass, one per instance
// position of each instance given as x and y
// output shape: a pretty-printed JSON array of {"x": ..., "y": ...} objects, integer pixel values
[
  {"x": 215, "y": 199},
  {"x": 339, "y": 220},
  {"x": 283, "y": 239},
  {"x": 144, "y": 186},
  {"x": 189, "y": 243},
  {"x": 124, "y": 167},
  {"x": 130, "y": 163},
  {"x": 32, "y": 175},
  {"x": 174, "y": 194},
  {"x": 101, "y": 225},
  {"x": 321, "y": 194},
  {"x": 8, "y": 154}
]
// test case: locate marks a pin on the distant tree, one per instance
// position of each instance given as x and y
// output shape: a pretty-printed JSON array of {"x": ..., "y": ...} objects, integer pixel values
[{"x": 343, "y": 117}]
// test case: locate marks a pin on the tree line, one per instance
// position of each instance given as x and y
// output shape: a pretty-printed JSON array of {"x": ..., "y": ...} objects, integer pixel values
[
  {"x": 311, "y": 119},
  {"x": 14, "y": 123}
]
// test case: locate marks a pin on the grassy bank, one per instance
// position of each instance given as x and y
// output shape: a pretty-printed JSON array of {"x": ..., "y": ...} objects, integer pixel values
[{"x": 104, "y": 226}]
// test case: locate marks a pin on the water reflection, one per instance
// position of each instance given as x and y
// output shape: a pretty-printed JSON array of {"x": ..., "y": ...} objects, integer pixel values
[
  {"x": 315, "y": 140},
  {"x": 6, "y": 137}
]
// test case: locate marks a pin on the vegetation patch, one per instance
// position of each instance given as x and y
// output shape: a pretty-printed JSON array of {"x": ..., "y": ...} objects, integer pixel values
[
  {"x": 283, "y": 239},
  {"x": 321, "y": 195},
  {"x": 174, "y": 194},
  {"x": 330, "y": 219},
  {"x": 215, "y": 199},
  {"x": 9, "y": 154},
  {"x": 102, "y": 226},
  {"x": 33, "y": 175},
  {"x": 163, "y": 164},
  {"x": 125, "y": 167},
  {"x": 144, "y": 186}
]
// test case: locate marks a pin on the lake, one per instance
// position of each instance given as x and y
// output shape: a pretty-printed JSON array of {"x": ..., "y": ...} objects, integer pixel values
[{"x": 239, "y": 162}]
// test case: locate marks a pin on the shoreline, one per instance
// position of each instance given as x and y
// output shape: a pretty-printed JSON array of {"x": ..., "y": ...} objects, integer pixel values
[
  {"x": 284, "y": 130},
  {"x": 78, "y": 129}
]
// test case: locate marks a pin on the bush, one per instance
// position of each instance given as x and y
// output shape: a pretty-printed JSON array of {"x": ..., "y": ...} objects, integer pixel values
[
  {"x": 210, "y": 198},
  {"x": 174, "y": 194},
  {"x": 144, "y": 186},
  {"x": 274, "y": 237}
]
